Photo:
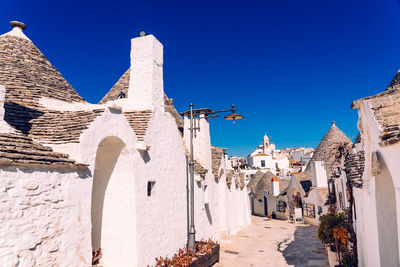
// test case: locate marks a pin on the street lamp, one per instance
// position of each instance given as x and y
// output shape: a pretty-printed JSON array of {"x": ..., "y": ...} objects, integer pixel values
[{"x": 192, "y": 114}]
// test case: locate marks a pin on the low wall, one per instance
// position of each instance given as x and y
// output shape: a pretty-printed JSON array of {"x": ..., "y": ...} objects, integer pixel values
[{"x": 44, "y": 218}]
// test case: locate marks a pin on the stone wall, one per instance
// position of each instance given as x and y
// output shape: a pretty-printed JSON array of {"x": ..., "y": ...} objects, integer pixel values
[{"x": 44, "y": 217}]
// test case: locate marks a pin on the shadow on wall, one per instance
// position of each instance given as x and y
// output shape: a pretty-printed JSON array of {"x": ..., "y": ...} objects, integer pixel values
[
  {"x": 386, "y": 214},
  {"x": 106, "y": 158},
  {"x": 305, "y": 249},
  {"x": 207, "y": 208},
  {"x": 145, "y": 156}
]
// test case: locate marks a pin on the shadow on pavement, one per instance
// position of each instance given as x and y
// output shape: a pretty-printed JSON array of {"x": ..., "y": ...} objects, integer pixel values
[{"x": 305, "y": 249}]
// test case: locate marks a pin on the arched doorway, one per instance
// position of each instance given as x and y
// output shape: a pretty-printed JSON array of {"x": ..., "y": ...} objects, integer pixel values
[
  {"x": 386, "y": 218},
  {"x": 113, "y": 224}
]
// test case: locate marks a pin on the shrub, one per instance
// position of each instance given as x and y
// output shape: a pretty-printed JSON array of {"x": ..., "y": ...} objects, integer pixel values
[{"x": 327, "y": 223}]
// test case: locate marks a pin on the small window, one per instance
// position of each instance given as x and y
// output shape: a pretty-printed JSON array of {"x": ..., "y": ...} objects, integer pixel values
[
  {"x": 281, "y": 206},
  {"x": 151, "y": 188},
  {"x": 121, "y": 95},
  {"x": 309, "y": 210},
  {"x": 263, "y": 163}
]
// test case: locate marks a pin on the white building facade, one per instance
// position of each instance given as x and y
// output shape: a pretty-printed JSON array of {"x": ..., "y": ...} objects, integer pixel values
[
  {"x": 373, "y": 169},
  {"x": 266, "y": 157},
  {"x": 77, "y": 177}
]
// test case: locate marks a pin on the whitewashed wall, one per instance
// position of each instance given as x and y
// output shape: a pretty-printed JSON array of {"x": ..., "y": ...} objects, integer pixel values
[
  {"x": 283, "y": 215},
  {"x": 119, "y": 180},
  {"x": 315, "y": 199},
  {"x": 237, "y": 209},
  {"x": 162, "y": 219},
  {"x": 47, "y": 216},
  {"x": 233, "y": 205},
  {"x": 44, "y": 218},
  {"x": 373, "y": 250},
  {"x": 259, "y": 206},
  {"x": 318, "y": 172},
  {"x": 146, "y": 227},
  {"x": 341, "y": 187}
]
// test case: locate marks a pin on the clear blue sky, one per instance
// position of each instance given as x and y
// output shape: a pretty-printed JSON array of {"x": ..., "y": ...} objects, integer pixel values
[{"x": 291, "y": 67}]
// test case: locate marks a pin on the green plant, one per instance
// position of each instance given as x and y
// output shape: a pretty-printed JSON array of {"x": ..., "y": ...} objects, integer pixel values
[
  {"x": 327, "y": 223},
  {"x": 349, "y": 261}
]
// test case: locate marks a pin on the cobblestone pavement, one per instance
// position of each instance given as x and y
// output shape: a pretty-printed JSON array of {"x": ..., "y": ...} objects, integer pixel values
[{"x": 273, "y": 243}]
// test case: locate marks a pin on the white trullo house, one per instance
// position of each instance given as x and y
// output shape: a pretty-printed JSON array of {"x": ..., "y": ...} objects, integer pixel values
[
  {"x": 309, "y": 190},
  {"x": 75, "y": 176},
  {"x": 373, "y": 177}
]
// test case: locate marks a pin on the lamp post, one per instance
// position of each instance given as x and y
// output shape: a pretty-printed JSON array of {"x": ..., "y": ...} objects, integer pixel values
[{"x": 192, "y": 114}]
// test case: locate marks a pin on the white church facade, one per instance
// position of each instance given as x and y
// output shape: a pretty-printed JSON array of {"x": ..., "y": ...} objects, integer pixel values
[{"x": 266, "y": 157}]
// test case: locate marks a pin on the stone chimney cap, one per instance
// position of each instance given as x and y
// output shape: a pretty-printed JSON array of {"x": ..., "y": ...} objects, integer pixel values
[
  {"x": 19, "y": 24},
  {"x": 333, "y": 122}
]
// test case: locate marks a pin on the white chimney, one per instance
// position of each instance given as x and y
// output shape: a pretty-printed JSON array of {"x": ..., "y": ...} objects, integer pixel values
[
  {"x": 146, "y": 88},
  {"x": 275, "y": 186},
  {"x": 201, "y": 142},
  {"x": 318, "y": 172}
]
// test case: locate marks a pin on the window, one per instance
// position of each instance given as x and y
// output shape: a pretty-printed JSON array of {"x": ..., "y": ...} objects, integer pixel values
[
  {"x": 151, "y": 189},
  {"x": 263, "y": 163},
  {"x": 309, "y": 210},
  {"x": 281, "y": 206},
  {"x": 121, "y": 95}
]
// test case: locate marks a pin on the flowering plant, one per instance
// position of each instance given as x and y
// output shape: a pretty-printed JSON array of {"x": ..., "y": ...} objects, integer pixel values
[{"x": 186, "y": 256}]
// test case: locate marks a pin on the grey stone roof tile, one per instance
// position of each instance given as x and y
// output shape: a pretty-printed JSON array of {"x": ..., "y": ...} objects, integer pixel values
[
  {"x": 264, "y": 184},
  {"x": 216, "y": 153},
  {"x": 17, "y": 149},
  {"x": 332, "y": 148},
  {"x": 254, "y": 181},
  {"x": 122, "y": 85},
  {"x": 354, "y": 168},
  {"x": 386, "y": 110},
  {"x": 139, "y": 122},
  {"x": 28, "y": 76}
]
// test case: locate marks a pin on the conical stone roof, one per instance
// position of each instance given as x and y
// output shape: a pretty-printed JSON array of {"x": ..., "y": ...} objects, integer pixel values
[
  {"x": 326, "y": 149},
  {"x": 264, "y": 184},
  {"x": 122, "y": 86},
  {"x": 331, "y": 149},
  {"x": 28, "y": 76},
  {"x": 254, "y": 181},
  {"x": 395, "y": 83}
]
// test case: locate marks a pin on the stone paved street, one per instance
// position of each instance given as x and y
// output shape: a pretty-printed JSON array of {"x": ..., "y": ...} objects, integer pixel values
[{"x": 273, "y": 243}]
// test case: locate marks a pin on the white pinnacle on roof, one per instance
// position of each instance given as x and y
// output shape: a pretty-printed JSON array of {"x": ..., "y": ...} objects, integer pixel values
[{"x": 17, "y": 30}]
